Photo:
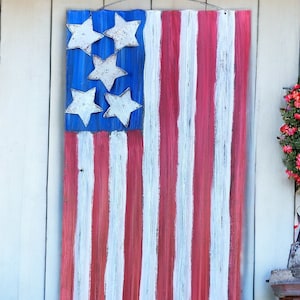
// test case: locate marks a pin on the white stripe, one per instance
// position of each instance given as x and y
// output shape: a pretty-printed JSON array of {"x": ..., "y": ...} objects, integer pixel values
[
  {"x": 114, "y": 273},
  {"x": 220, "y": 214},
  {"x": 152, "y": 35},
  {"x": 186, "y": 139},
  {"x": 83, "y": 232}
]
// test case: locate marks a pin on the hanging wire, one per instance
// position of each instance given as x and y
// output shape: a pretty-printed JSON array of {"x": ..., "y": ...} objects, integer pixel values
[
  {"x": 109, "y": 4},
  {"x": 208, "y": 4}
]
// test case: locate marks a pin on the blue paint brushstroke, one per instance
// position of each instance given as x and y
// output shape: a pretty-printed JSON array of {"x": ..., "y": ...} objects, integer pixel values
[{"x": 80, "y": 65}]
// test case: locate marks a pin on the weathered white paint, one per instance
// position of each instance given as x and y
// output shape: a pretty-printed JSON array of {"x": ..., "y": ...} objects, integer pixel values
[
  {"x": 83, "y": 234},
  {"x": 186, "y": 136},
  {"x": 117, "y": 205},
  {"x": 224, "y": 98},
  {"x": 23, "y": 156},
  {"x": 152, "y": 36},
  {"x": 24, "y": 100}
]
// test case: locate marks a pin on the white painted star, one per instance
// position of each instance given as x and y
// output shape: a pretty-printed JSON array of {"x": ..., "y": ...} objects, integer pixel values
[
  {"x": 83, "y": 36},
  {"x": 123, "y": 33},
  {"x": 121, "y": 106},
  {"x": 83, "y": 105},
  {"x": 106, "y": 70}
]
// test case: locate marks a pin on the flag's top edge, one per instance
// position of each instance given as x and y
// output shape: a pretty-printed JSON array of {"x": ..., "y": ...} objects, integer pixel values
[
  {"x": 95, "y": 131},
  {"x": 160, "y": 10}
]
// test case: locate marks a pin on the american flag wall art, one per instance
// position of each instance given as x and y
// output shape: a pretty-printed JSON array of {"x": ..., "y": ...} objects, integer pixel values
[{"x": 155, "y": 154}]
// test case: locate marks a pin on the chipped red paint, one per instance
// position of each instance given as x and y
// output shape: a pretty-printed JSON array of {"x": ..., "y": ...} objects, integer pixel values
[
  {"x": 239, "y": 150},
  {"x": 204, "y": 153},
  {"x": 133, "y": 219},
  {"x": 69, "y": 215},
  {"x": 168, "y": 111}
]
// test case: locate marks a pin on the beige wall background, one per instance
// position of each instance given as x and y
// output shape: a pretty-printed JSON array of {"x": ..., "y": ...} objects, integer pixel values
[{"x": 32, "y": 84}]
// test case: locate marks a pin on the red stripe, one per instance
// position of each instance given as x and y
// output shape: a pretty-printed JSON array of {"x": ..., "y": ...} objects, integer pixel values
[
  {"x": 169, "y": 111},
  {"x": 69, "y": 215},
  {"x": 238, "y": 152},
  {"x": 133, "y": 219},
  {"x": 100, "y": 215},
  {"x": 204, "y": 153}
]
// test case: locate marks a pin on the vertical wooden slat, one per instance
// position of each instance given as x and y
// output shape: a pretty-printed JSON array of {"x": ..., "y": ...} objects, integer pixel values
[
  {"x": 133, "y": 218},
  {"x": 187, "y": 90},
  {"x": 100, "y": 215},
  {"x": 151, "y": 155},
  {"x": 69, "y": 213},
  {"x": 278, "y": 47},
  {"x": 204, "y": 142},
  {"x": 168, "y": 113},
  {"x": 56, "y": 128},
  {"x": 24, "y": 98},
  {"x": 239, "y": 151},
  {"x": 248, "y": 254},
  {"x": 118, "y": 158}
]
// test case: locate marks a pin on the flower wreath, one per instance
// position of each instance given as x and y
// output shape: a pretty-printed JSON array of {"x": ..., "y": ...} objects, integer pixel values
[{"x": 290, "y": 134}]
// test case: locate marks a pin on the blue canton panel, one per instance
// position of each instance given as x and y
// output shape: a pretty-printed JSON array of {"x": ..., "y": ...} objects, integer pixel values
[{"x": 80, "y": 65}]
